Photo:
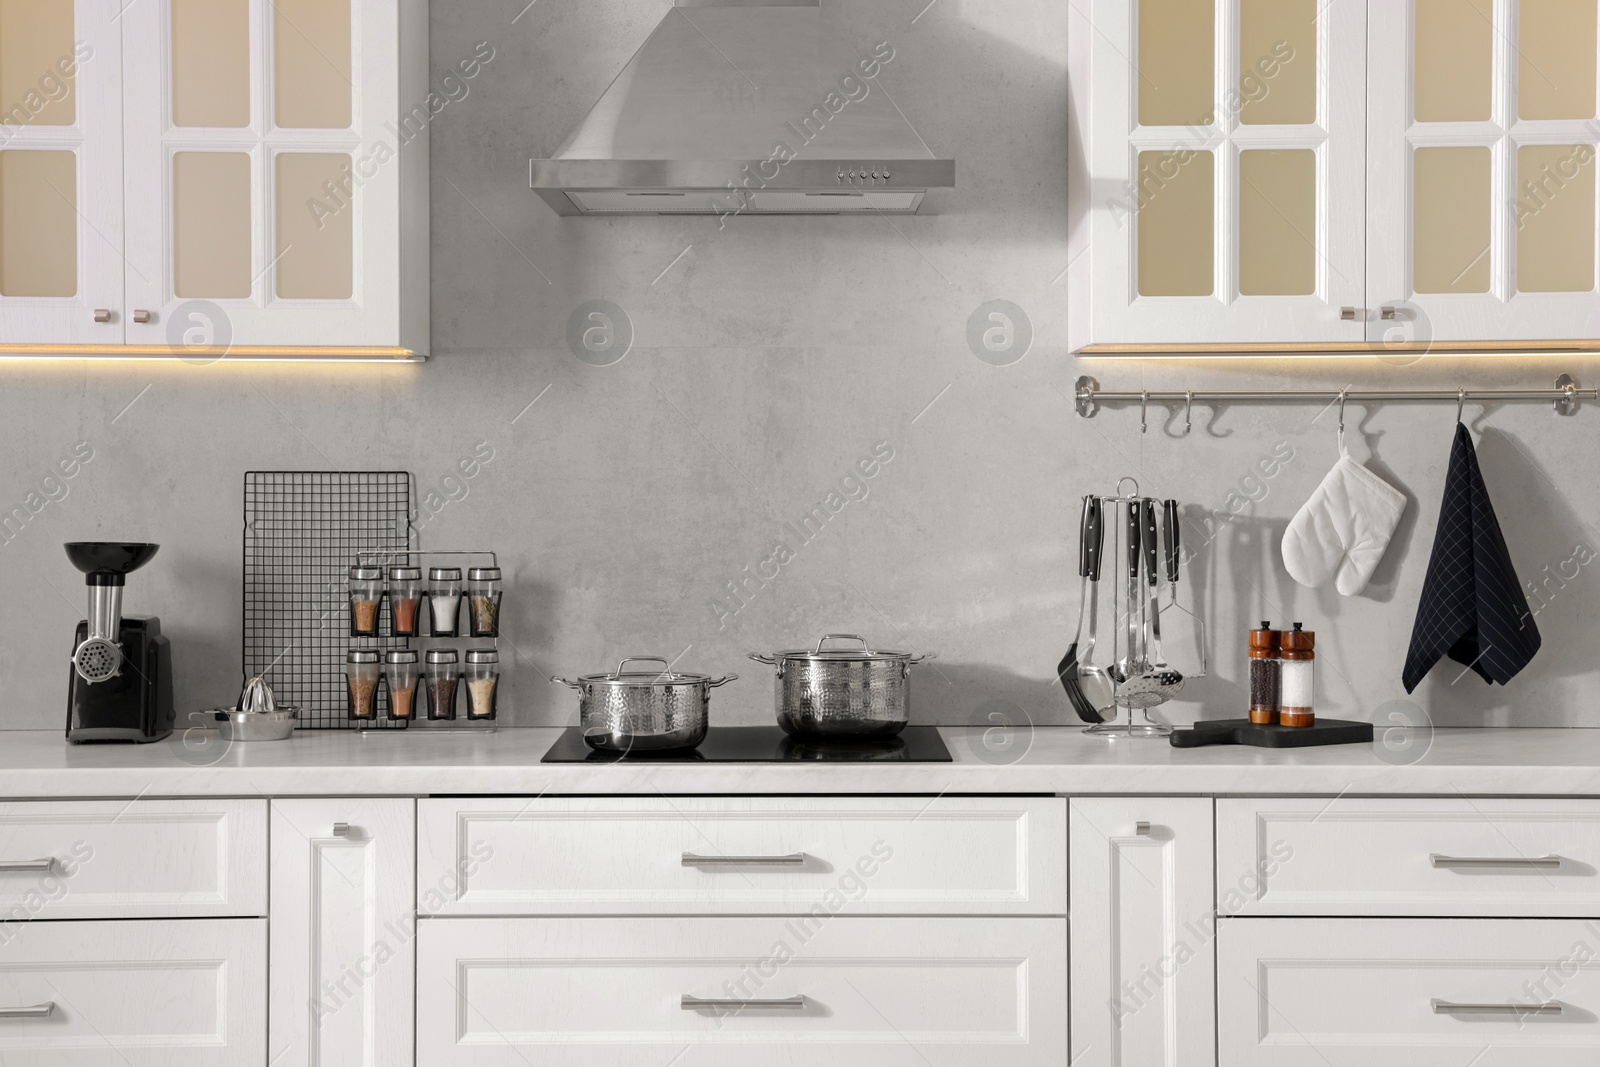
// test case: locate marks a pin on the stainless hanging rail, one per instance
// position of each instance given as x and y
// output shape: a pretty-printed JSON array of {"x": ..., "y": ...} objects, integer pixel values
[{"x": 1564, "y": 396}]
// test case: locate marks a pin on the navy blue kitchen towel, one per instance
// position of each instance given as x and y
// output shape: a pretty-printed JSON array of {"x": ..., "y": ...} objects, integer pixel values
[{"x": 1473, "y": 608}]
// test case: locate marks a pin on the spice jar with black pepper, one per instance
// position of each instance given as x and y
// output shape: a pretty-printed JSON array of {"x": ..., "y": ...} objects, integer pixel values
[
  {"x": 444, "y": 672},
  {"x": 483, "y": 602},
  {"x": 1265, "y": 675},
  {"x": 361, "y": 683},
  {"x": 1298, "y": 650},
  {"x": 366, "y": 592}
]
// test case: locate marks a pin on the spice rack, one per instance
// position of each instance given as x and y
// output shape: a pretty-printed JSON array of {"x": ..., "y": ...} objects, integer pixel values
[{"x": 400, "y": 598}]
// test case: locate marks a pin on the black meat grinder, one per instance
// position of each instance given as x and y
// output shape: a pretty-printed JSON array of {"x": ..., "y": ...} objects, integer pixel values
[{"x": 120, "y": 687}]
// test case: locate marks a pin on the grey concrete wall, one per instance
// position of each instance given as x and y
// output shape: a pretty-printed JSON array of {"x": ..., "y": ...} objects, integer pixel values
[{"x": 770, "y": 356}]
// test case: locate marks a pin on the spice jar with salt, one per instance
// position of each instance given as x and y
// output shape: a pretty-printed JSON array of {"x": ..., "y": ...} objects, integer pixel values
[
  {"x": 483, "y": 678},
  {"x": 483, "y": 602},
  {"x": 361, "y": 683},
  {"x": 444, "y": 670},
  {"x": 444, "y": 600},
  {"x": 405, "y": 598},
  {"x": 366, "y": 591},
  {"x": 401, "y": 670}
]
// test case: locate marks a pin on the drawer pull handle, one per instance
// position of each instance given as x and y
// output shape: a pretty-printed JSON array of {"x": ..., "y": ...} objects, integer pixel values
[
  {"x": 27, "y": 866},
  {"x": 38, "y": 1011},
  {"x": 797, "y": 859},
  {"x": 794, "y": 1003},
  {"x": 1444, "y": 1007},
  {"x": 1505, "y": 863}
]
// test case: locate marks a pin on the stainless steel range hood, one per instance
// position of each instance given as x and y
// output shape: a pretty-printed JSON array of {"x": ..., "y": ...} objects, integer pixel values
[{"x": 744, "y": 107}]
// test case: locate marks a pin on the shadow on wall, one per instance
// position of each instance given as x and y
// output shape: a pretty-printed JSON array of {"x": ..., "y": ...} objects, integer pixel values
[
  {"x": 1557, "y": 557},
  {"x": 969, "y": 694}
]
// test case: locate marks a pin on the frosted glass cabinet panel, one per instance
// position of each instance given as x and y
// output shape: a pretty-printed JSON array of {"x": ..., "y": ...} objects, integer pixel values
[
  {"x": 61, "y": 238},
  {"x": 1482, "y": 141},
  {"x": 1225, "y": 170}
]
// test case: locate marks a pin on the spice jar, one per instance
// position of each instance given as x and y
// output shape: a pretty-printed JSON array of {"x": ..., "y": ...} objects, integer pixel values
[
  {"x": 443, "y": 672},
  {"x": 1299, "y": 677},
  {"x": 361, "y": 683},
  {"x": 483, "y": 678},
  {"x": 400, "y": 668},
  {"x": 483, "y": 602},
  {"x": 1265, "y": 675},
  {"x": 444, "y": 599},
  {"x": 366, "y": 590},
  {"x": 405, "y": 598}
]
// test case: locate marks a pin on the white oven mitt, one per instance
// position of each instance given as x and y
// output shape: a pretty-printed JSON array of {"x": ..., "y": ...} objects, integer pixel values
[{"x": 1343, "y": 529}]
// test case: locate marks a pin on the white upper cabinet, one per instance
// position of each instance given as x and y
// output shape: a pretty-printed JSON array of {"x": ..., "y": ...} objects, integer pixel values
[
  {"x": 248, "y": 173},
  {"x": 1482, "y": 134},
  {"x": 1291, "y": 172},
  {"x": 1225, "y": 167},
  {"x": 60, "y": 172}
]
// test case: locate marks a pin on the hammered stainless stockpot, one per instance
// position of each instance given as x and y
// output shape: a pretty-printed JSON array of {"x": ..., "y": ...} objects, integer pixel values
[
  {"x": 842, "y": 692},
  {"x": 643, "y": 710}
]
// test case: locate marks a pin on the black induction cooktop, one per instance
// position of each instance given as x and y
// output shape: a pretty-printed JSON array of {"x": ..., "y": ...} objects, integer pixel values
[{"x": 767, "y": 744}]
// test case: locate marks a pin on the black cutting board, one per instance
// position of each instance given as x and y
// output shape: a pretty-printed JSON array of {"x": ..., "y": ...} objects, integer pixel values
[{"x": 1245, "y": 732}]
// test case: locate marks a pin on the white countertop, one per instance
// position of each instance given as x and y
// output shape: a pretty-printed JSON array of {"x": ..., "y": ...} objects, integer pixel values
[{"x": 1058, "y": 760}]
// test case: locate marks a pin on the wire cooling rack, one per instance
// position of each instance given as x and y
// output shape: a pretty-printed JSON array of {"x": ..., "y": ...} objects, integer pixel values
[{"x": 302, "y": 531}]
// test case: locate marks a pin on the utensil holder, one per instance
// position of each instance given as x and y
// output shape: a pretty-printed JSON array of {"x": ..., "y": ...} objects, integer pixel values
[{"x": 1129, "y": 597}]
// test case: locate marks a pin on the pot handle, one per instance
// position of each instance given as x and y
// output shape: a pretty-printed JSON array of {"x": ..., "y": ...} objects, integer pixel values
[
  {"x": 714, "y": 682},
  {"x": 566, "y": 682},
  {"x": 918, "y": 659},
  {"x": 666, "y": 665},
  {"x": 771, "y": 661},
  {"x": 845, "y": 637}
]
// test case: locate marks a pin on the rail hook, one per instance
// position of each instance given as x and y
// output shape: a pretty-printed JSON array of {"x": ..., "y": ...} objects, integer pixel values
[
  {"x": 1188, "y": 405},
  {"x": 1343, "y": 394},
  {"x": 1461, "y": 402},
  {"x": 1144, "y": 404}
]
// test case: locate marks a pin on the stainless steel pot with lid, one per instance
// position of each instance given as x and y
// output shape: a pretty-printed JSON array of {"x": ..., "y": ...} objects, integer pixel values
[
  {"x": 842, "y": 692},
  {"x": 644, "y": 710}
]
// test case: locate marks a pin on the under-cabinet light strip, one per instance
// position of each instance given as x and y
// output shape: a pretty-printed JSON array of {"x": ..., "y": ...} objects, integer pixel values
[{"x": 201, "y": 357}]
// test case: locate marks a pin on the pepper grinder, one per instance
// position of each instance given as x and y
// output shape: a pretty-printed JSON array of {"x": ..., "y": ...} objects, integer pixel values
[
  {"x": 1265, "y": 675},
  {"x": 1297, "y": 649}
]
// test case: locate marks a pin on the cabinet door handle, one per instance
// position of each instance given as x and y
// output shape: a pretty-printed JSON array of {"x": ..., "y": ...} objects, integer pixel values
[
  {"x": 1445, "y": 1007},
  {"x": 794, "y": 1003},
  {"x": 141, "y": 316},
  {"x": 797, "y": 859},
  {"x": 341, "y": 829},
  {"x": 38, "y": 1011},
  {"x": 27, "y": 866},
  {"x": 1386, "y": 313},
  {"x": 1141, "y": 829},
  {"x": 102, "y": 315},
  {"x": 1348, "y": 314},
  {"x": 1504, "y": 863}
]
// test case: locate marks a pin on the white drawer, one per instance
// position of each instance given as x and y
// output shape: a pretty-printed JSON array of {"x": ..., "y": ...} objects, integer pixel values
[
  {"x": 183, "y": 993},
  {"x": 96, "y": 859},
  {"x": 133, "y": 859},
  {"x": 595, "y": 992},
  {"x": 1315, "y": 992},
  {"x": 669, "y": 855},
  {"x": 1454, "y": 857}
]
